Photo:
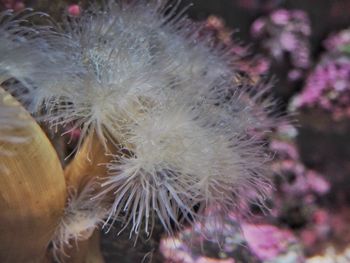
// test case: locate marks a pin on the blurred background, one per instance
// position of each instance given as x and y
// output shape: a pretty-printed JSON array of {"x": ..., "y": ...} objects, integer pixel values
[{"x": 303, "y": 46}]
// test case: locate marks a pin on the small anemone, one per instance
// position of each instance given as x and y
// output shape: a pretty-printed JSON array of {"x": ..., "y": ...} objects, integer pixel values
[
  {"x": 82, "y": 216},
  {"x": 118, "y": 61},
  {"x": 183, "y": 160},
  {"x": 21, "y": 45}
]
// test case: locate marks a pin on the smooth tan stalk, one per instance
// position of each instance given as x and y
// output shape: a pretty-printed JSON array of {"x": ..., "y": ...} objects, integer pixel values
[
  {"x": 32, "y": 192},
  {"x": 88, "y": 163}
]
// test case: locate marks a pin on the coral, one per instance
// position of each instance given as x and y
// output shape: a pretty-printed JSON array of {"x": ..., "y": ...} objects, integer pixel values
[
  {"x": 209, "y": 240},
  {"x": 272, "y": 244},
  {"x": 327, "y": 87},
  {"x": 245, "y": 64},
  {"x": 232, "y": 240},
  {"x": 337, "y": 41},
  {"x": 13, "y": 4},
  {"x": 286, "y": 32},
  {"x": 74, "y": 10}
]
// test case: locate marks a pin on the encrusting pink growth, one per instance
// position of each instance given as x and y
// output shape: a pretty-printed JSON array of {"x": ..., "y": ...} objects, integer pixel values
[
  {"x": 74, "y": 10},
  {"x": 286, "y": 32},
  {"x": 13, "y": 4},
  {"x": 141, "y": 77},
  {"x": 328, "y": 85}
]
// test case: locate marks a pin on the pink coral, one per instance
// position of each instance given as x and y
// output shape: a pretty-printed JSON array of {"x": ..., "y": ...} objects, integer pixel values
[
  {"x": 337, "y": 41},
  {"x": 327, "y": 87},
  {"x": 13, "y": 4},
  {"x": 287, "y": 149},
  {"x": 317, "y": 183},
  {"x": 285, "y": 32},
  {"x": 254, "y": 67},
  {"x": 74, "y": 10},
  {"x": 267, "y": 241}
]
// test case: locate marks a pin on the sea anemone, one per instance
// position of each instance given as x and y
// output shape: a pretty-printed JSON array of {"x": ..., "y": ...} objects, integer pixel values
[
  {"x": 125, "y": 58},
  {"x": 81, "y": 217},
  {"x": 182, "y": 161},
  {"x": 20, "y": 46},
  {"x": 142, "y": 79}
]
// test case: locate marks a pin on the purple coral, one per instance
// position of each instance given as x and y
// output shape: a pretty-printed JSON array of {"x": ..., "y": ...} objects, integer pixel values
[
  {"x": 328, "y": 85},
  {"x": 187, "y": 246},
  {"x": 74, "y": 10},
  {"x": 222, "y": 35},
  {"x": 285, "y": 32},
  {"x": 328, "y": 88},
  {"x": 232, "y": 240},
  {"x": 337, "y": 41},
  {"x": 13, "y": 4},
  {"x": 298, "y": 180},
  {"x": 272, "y": 244}
]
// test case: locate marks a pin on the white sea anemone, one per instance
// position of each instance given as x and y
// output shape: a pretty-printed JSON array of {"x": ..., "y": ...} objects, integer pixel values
[
  {"x": 20, "y": 45},
  {"x": 182, "y": 159},
  {"x": 13, "y": 52},
  {"x": 114, "y": 75},
  {"x": 126, "y": 59},
  {"x": 29, "y": 61},
  {"x": 81, "y": 217},
  {"x": 140, "y": 76}
]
